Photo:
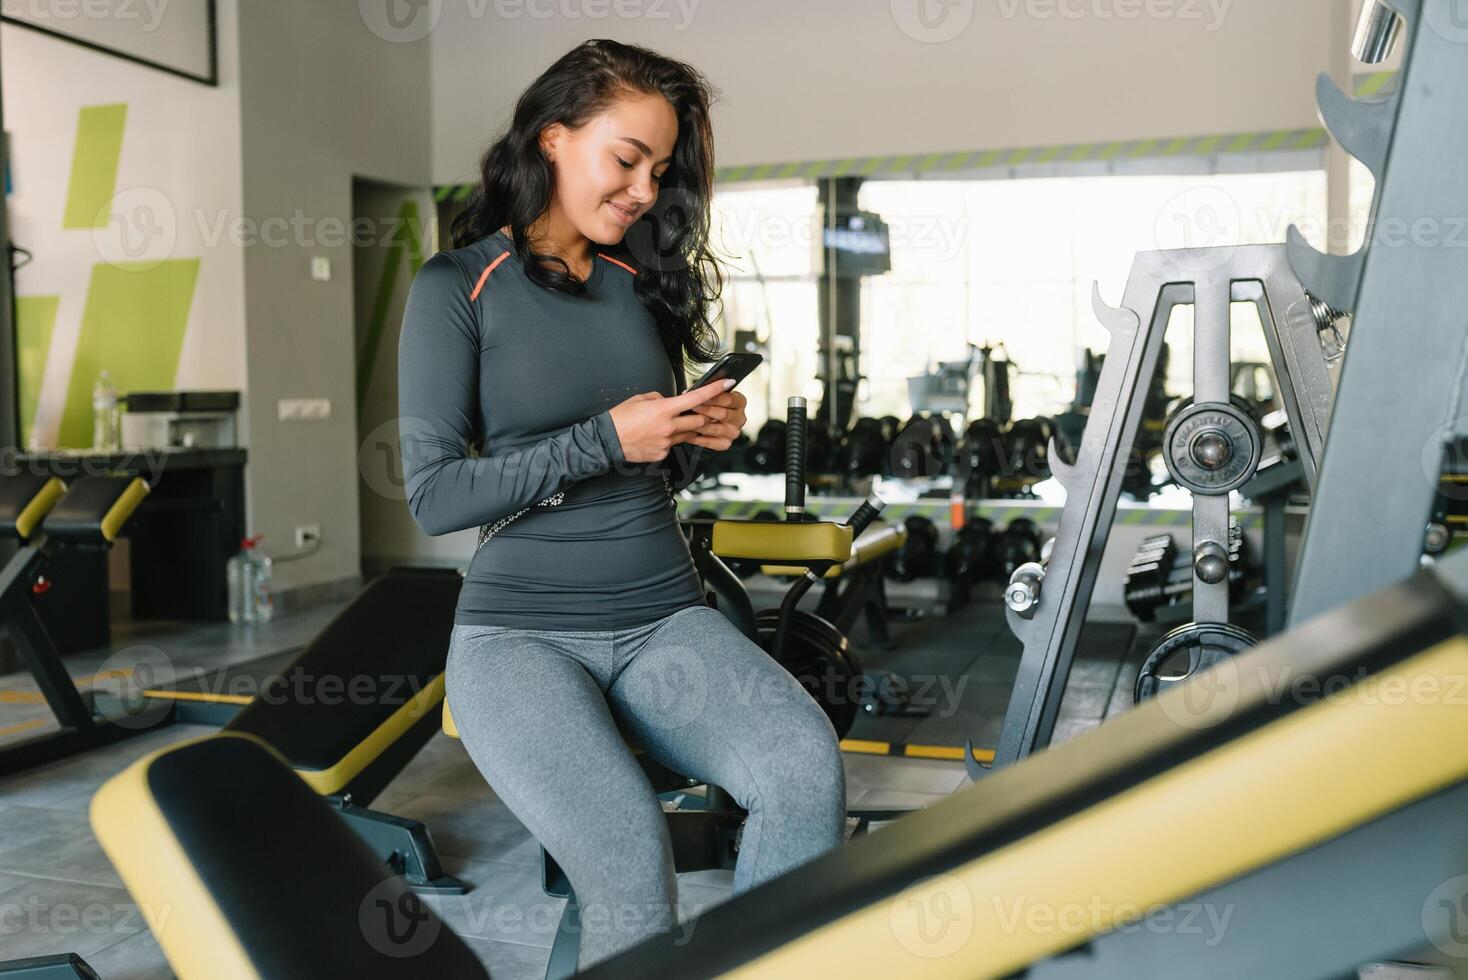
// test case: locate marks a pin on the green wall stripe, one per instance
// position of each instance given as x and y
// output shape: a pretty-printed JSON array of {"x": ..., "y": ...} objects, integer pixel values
[
  {"x": 94, "y": 165},
  {"x": 35, "y": 317},
  {"x": 406, "y": 241},
  {"x": 1375, "y": 83},
  {"x": 133, "y": 327},
  {"x": 916, "y": 163}
]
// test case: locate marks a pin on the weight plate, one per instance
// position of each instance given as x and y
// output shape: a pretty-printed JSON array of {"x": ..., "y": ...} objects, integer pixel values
[
  {"x": 1187, "y": 650},
  {"x": 1212, "y": 448},
  {"x": 820, "y": 657}
]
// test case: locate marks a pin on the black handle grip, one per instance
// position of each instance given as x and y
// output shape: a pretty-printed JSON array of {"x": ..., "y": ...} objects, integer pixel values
[
  {"x": 865, "y": 514},
  {"x": 795, "y": 460}
]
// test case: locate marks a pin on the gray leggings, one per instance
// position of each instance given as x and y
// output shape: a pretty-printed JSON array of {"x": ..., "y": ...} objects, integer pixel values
[{"x": 540, "y": 710}]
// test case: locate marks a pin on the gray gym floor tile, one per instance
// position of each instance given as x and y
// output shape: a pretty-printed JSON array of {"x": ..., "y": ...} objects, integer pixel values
[
  {"x": 695, "y": 899},
  {"x": 912, "y": 775},
  {"x": 138, "y": 958},
  {"x": 70, "y": 783},
  {"x": 443, "y": 768},
  {"x": 56, "y": 844},
  {"x": 480, "y": 830},
  {"x": 510, "y": 961},
  {"x": 897, "y": 799},
  {"x": 506, "y": 904},
  {"x": 48, "y": 917}
]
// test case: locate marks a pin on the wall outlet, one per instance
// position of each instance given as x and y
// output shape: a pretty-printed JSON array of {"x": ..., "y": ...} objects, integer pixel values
[
  {"x": 299, "y": 409},
  {"x": 308, "y": 534},
  {"x": 321, "y": 268}
]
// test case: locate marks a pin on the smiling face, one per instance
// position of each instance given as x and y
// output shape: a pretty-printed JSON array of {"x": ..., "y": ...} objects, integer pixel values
[{"x": 607, "y": 172}]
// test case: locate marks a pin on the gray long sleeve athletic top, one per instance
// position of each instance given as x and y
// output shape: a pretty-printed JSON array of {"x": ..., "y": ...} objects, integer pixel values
[{"x": 527, "y": 376}]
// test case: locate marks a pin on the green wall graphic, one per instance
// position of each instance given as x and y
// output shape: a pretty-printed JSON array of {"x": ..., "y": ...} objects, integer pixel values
[
  {"x": 133, "y": 327},
  {"x": 94, "y": 164},
  {"x": 407, "y": 238},
  {"x": 35, "y": 316}
]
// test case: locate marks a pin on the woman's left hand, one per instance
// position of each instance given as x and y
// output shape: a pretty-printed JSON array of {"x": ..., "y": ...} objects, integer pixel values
[{"x": 724, "y": 415}]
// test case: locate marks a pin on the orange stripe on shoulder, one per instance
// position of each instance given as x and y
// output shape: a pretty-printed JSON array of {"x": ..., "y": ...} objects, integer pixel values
[
  {"x": 617, "y": 262},
  {"x": 485, "y": 275}
]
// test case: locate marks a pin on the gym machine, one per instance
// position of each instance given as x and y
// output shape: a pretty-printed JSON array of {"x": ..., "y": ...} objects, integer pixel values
[
  {"x": 45, "y": 515},
  {"x": 1406, "y": 370}
]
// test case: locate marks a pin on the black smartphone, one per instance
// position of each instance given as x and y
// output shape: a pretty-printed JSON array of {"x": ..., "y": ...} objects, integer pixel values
[{"x": 736, "y": 365}]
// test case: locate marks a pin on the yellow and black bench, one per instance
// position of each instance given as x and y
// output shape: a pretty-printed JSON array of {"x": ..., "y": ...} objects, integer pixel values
[
  {"x": 354, "y": 707},
  {"x": 45, "y": 515},
  {"x": 280, "y": 887}
]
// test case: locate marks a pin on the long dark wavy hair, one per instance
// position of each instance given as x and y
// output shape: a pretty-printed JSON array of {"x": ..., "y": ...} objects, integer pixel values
[{"x": 679, "y": 280}]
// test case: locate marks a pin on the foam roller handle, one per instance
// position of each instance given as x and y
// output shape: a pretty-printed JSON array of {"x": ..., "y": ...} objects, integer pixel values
[
  {"x": 795, "y": 459},
  {"x": 865, "y": 514}
]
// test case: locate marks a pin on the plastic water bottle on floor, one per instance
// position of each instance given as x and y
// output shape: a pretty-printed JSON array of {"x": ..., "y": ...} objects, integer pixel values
[
  {"x": 262, "y": 598},
  {"x": 247, "y": 574}
]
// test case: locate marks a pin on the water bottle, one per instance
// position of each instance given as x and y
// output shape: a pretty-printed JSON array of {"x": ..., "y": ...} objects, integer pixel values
[
  {"x": 247, "y": 574},
  {"x": 262, "y": 601},
  {"x": 106, "y": 417}
]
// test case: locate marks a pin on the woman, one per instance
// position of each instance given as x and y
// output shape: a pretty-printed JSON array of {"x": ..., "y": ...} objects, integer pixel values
[{"x": 547, "y": 338}]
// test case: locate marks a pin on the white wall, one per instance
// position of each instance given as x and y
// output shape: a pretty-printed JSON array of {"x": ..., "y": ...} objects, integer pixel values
[
  {"x": 821, "y": 79},
  {"x": 180, "y": 160}
]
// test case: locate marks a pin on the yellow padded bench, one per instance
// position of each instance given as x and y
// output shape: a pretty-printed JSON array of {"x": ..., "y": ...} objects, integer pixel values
[{"x": 875, "y": 542}]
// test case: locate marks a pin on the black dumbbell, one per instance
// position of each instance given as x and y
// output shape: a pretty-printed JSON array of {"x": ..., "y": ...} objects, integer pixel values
[
  {"x": 918, "y": 555},
  {"x": 1018, "y": 544},
  {"x": 1027, "y": 449},
  {"x": 971, "y": 557},
  {"x": 767, "y": 453},
  {"x": 862, "y": 449},
  {"x": 923, "y": 449},
  {"x": 979, "y": 456}
]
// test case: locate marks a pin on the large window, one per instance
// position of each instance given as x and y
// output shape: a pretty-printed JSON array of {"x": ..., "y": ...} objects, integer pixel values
[{"x": 991, "y": 262}]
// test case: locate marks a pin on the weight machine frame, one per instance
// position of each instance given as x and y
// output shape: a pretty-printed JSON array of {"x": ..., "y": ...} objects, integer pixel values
[{"x": 1209, "y": 279}]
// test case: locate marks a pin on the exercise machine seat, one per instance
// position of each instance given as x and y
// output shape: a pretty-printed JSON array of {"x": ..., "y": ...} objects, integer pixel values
[
  {"x": 242, "y": 872},
  {"x": 390, "y": 646},
  {"x": 24, "y": 500},
  {"x": 875, "y": 542},
  {"x": 782, "y": 541}
]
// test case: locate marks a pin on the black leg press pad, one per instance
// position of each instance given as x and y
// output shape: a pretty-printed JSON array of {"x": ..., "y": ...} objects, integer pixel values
[
  {"x": 362, "y": 670},
  {"x": 258, "y": 875}
]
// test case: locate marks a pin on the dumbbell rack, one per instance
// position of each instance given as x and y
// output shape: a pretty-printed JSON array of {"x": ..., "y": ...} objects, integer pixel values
[{"x": 1403, "y": 388}]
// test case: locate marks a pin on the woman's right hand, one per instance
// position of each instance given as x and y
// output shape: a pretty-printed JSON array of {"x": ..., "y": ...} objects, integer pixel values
[{"x": 650, "y": 425}]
